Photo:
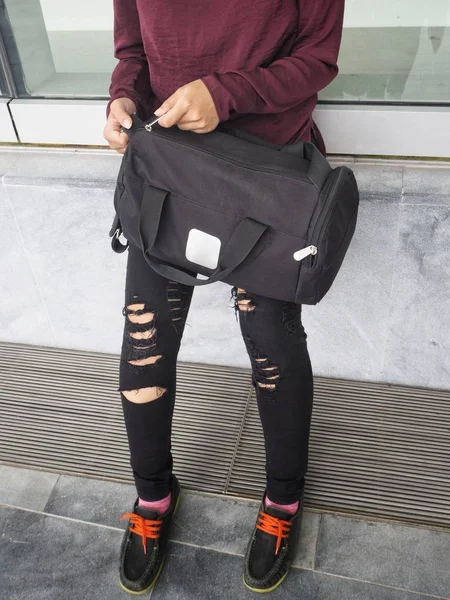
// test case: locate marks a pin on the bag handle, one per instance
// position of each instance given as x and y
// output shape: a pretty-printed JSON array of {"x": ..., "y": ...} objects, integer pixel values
[
  {"x": 244, "y": 238},
  {"x": 319, "y": 167}
]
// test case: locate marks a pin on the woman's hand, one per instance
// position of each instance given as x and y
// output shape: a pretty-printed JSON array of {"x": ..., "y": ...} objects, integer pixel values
[
  {"x": 191, "y": 107},
  {"x": 121, "y": 109}
]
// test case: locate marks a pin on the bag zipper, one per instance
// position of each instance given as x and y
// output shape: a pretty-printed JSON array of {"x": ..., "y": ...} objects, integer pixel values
[
  {"x": 227, "y": 160},
  {"x": 304, "y": 252}
]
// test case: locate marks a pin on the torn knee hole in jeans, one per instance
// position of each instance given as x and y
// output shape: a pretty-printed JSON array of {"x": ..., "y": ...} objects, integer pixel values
[
  {"x": 142, "y": 395},
  {"x": 142, "y": 334},
  {"x": 175, "y": 300},
  {"x": 265, "y": 375},
  {"x": 243, "y": 302},
  {"x": 138, "y": 313}
]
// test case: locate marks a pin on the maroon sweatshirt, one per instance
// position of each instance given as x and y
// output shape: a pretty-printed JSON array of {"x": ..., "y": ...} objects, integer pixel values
[{"x": 263, "y": 61}]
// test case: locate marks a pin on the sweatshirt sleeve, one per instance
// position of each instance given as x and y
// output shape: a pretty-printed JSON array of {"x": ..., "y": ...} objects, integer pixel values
[
  {"x": 288, "y": 81},
  {"x": 130, "y": 77}
]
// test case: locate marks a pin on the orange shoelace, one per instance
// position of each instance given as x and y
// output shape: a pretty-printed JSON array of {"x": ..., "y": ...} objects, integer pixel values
[
  {"x": 274, "y": 526},
  {"x": 146, "y": 528}
]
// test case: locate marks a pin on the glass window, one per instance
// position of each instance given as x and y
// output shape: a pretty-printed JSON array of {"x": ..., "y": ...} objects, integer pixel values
[
  {"x": 65, "y": 49},
  {"x": 394, "y": 51},
  {"x": 4, "y": 64},
  {"x": 3, "y": 91}
]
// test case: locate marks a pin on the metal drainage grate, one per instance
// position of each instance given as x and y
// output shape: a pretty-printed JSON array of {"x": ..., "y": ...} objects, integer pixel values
[
  {"x": 60, "y": 410},
  {"x": 375, "y": 449}
]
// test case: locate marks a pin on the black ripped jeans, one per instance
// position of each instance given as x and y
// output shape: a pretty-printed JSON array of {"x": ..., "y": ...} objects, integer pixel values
[{"x": 276, "y": 344}]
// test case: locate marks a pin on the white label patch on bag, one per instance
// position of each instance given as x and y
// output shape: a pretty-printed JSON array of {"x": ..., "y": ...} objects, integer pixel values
[{"x": 203, "y": 249}]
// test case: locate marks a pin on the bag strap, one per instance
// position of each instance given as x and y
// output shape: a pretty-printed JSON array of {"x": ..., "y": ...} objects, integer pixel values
[
  {"x": 245, "y": 237},
  {"x": 136, "y": 124},
  {"x": 114, "y": 234},
  {"x": 319, "y": 167}
]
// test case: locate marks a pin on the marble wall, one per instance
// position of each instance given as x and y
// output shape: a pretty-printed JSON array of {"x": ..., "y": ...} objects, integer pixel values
[{"x": 387, "y": 317}]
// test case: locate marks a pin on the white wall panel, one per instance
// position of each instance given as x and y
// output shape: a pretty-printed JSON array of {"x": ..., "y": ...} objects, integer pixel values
[
  {"x": 60, "y": 121},
  {"x": 367, "y": 130},
  {"x": 386, "y": 130}
]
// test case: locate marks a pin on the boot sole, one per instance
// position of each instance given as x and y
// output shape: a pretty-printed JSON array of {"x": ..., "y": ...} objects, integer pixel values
[
  {"x": 147, "y": 589},
  {"x": 265, "y": 590}
]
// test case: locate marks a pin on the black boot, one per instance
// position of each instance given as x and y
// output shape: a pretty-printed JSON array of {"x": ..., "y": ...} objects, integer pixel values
[
  {"x": 144, "y": 545},
  {"x": 271, "y": 547}
]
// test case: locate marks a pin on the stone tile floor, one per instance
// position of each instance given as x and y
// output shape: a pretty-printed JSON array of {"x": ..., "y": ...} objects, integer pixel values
[{"x": 60, "y": 536}]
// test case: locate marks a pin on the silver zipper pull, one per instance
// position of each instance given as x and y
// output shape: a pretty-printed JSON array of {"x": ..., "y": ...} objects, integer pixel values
[
  {"x": 149, "y": 126},
  {"x": 304, "y": 252}
]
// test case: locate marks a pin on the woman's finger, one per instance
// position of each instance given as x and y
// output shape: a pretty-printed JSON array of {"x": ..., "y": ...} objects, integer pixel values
[
  {"x": 118, "y": 141},
  {"x": 188, "y": 125},
  {"x": 189, "y": 118},
  {"x": 202, "y": 130},
  {"x": 175, "y": 114},
  {"x": 192, "y": 126},
  {"x": 115, "y": 137}
]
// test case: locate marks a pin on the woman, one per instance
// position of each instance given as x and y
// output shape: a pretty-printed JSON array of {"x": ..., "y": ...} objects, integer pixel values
[{"x": 196, "y": 64}]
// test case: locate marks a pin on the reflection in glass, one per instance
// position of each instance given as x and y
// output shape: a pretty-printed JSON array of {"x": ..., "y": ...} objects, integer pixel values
[
  {"x": 64, "y": 48},
  {"x": 392, "y": 50}
]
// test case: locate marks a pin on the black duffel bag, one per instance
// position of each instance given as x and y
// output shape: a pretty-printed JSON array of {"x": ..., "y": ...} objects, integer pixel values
[{"x": 273, "y": 220}]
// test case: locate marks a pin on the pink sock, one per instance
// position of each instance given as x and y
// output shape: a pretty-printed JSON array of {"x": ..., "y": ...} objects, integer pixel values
[
  {"x": 289, "y": 508},
  {"x": 161, "y": 506}
]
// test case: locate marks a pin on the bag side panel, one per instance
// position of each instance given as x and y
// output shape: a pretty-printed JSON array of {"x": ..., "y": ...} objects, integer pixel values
[{"x": 332, "y": 235}]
